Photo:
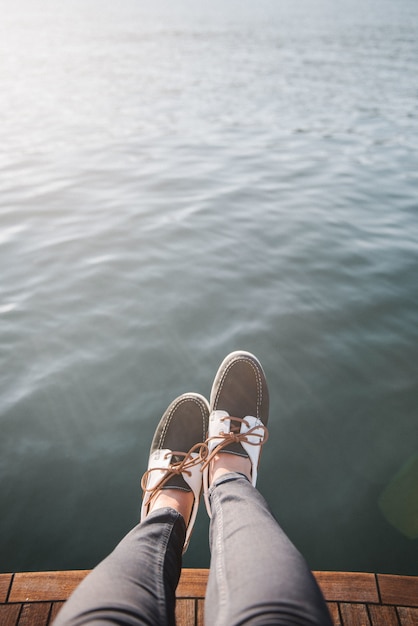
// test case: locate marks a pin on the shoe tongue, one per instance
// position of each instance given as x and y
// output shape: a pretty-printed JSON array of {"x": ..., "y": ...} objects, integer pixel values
[
  {"x": 234, "y": 426},
  {"x": 177, "y": 480},
  {"x": 235, "y": 448}
]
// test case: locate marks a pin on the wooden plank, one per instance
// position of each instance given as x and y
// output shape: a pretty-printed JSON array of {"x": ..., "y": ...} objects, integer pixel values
[
  {"x": 383, "y": 615},
  {"x": 192, "y": 583},
  {"x": 200, "y": 613},
  {"x": 408, "y": 616},
  {"x": 27, "y": 597},
  {"x": 56, "y": 607},
  {"x": 185, "y": 612},
  {"x": 36, "y": 614},
  {"x": 9, "y": 614},
  {"x": 400, "y": 590},
  {"x": 348, "y": 586},
  {"x": 43, "y": 586},
  {"x": 354, "y": 614},
  {"x": 5, "y": 581},
  {"x": 335, "y": 613}
]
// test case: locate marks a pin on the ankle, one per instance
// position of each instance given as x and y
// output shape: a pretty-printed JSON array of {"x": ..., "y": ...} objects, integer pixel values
[
  {"x": 181, "y": 501},
  {"x": 225, "y": 463}
]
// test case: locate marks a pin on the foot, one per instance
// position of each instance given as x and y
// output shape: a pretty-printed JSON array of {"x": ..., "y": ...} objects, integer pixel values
[
  {"x": 173, "y": 478},
  {"x": 239, "y": 406},
  {"x": 227, "y": 463},
  {"x": 181, "y": 501}
]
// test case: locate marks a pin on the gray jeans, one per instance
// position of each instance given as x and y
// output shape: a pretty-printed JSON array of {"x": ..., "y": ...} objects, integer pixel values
[{"x": 256, "y": 574}]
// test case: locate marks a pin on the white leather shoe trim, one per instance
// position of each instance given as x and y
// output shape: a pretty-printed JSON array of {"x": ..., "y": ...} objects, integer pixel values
[
  {"x": 161, "y": 459},
  {"x": 218, "y": 425},
  {"x": 255, "y": 437},
  {"x": 195, "y": 483}
]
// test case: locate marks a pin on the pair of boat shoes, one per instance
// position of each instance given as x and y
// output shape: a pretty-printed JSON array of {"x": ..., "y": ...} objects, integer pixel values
[{"x": 192, "y": 431}]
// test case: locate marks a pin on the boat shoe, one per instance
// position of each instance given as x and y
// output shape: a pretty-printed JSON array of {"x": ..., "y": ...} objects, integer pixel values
[
  {"x": 239, "y": 408},
  {"x": 176, "y": 453}
]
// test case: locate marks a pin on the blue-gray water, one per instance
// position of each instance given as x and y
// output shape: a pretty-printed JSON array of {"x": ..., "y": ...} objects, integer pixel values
[{"x": 182, "y": 179}]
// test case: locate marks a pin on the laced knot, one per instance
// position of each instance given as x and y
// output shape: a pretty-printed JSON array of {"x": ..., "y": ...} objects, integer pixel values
[
  {"x": 235, "y": 436},
  {"x": 174, "y": 469}
]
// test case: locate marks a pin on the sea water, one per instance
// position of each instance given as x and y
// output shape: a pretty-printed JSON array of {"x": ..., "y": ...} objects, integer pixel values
[{"x": 183, "y": 179}]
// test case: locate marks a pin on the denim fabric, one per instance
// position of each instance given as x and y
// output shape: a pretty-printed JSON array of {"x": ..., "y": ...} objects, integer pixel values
[
  {"x": 256, "y": 575},
  {"x": 136, "y": 584}
]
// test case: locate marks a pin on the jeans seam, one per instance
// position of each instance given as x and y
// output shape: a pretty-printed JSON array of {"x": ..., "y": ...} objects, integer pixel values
[
  {"x": 165, "y": 536},
  {"x": 220, "y": 562}
]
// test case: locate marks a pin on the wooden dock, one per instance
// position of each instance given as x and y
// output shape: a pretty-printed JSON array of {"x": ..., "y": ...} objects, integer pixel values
[{"x": 354, "y": 599}]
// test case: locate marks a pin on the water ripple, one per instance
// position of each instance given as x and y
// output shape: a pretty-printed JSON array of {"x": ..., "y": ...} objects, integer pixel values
[{"x": 178, "y": 181}]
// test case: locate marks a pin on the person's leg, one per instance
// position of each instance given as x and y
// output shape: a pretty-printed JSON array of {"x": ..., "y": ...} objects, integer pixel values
[
  {"x": 136, "y": 584},
  {"x": 256, "y": 574}
]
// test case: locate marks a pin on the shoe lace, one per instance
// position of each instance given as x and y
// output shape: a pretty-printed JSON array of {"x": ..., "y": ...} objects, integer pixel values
[
  {"x": 235, "y": 436},
  {"x": 174, "y": 469}
]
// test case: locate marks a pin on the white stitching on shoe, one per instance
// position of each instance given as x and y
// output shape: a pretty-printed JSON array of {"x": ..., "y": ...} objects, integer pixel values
[
  {"x": 257, "y": 376},
  {"x": 170, "y": 417}
]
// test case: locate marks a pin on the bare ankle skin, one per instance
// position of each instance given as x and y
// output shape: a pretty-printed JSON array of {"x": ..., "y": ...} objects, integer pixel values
[
  {"x": 224, "y": 463},
  {"x": 181, "y": 501}
]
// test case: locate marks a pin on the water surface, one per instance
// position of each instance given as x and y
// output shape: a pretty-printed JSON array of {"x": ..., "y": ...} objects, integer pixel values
[{"x": 181, "y": 180}]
